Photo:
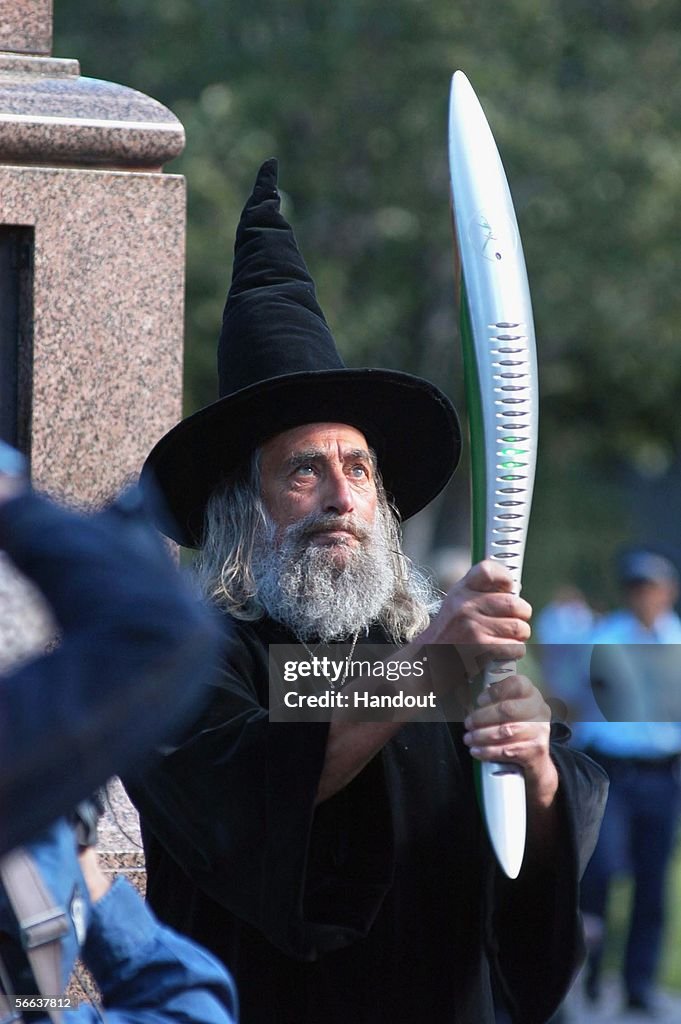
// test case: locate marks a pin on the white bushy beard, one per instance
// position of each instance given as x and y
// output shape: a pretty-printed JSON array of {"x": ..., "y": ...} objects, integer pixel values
[{"x": 306, "y": 588}]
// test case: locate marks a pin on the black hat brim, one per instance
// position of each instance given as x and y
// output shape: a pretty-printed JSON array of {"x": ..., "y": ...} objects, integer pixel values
[{"x": 411, "y": 425}]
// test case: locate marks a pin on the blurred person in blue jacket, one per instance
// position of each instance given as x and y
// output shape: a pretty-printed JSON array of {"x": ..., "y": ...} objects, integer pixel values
[{"x": 136, "y": 649}]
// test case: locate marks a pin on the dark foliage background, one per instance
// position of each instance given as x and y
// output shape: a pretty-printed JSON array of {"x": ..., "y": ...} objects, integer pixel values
[{"x": 583, "y": 97}]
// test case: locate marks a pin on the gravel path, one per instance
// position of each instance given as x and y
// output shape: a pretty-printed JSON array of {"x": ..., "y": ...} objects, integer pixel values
[{"x": 609, "y": 1009}]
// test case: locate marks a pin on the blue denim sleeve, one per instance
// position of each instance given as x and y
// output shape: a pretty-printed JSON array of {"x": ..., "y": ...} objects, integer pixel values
[{"x": 147, "y": 973}]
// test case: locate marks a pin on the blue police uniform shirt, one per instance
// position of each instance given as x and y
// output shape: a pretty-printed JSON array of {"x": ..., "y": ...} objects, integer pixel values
[{"x": 633, "y": 739}]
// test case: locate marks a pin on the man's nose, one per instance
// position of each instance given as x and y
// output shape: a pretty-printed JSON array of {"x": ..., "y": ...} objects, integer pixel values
[{"x": 338, "y": 493}]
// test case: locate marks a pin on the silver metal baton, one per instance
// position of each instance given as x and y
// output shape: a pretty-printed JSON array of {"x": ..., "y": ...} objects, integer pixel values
[{"x": 500, "y": 369}]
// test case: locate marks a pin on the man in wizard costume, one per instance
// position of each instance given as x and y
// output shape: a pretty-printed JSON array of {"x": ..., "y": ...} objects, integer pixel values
[{"x": 341, "y": 868}]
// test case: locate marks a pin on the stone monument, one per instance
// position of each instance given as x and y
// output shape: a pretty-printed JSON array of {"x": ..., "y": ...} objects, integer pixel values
[{"x": 91, "y": 279}]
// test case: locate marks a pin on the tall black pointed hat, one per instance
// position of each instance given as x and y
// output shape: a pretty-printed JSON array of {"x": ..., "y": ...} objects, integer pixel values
[{"x": 278, "y": 367}]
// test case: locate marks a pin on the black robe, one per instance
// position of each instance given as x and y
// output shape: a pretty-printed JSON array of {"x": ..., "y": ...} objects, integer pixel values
[{"x": 383, "y": 904}]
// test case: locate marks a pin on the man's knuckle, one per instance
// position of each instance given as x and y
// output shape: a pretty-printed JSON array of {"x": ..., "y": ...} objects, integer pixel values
[
  {"x": 467, "y": 609},
  {"x": 486, "y": 573},
  {"x": 517, "y": 629},
  {"x": 505, "y": 710}
]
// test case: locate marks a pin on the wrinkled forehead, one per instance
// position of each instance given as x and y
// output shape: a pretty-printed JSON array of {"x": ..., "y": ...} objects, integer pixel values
[{"x": 331, "y": 438}]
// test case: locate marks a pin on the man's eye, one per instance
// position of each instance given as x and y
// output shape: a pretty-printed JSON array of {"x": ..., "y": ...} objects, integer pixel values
[
  {"x": 304, "y": 470},
  {"x": 359, "y": 470}
]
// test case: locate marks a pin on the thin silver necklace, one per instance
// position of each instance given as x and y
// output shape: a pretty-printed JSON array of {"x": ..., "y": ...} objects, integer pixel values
[{"x": 348, "y": 660}]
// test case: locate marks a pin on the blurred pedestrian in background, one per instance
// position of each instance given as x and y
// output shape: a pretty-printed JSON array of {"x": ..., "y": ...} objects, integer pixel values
[
  {"x": 563, "y": 629},
  {"x": 642, "y": 759}
]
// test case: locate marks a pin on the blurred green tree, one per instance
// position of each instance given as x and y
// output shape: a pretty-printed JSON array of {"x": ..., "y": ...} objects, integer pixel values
[{"x": 582, "y": 97}]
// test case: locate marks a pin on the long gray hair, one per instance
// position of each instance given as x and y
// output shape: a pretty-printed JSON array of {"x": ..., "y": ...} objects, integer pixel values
[{"x": 236, "y": 523}]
